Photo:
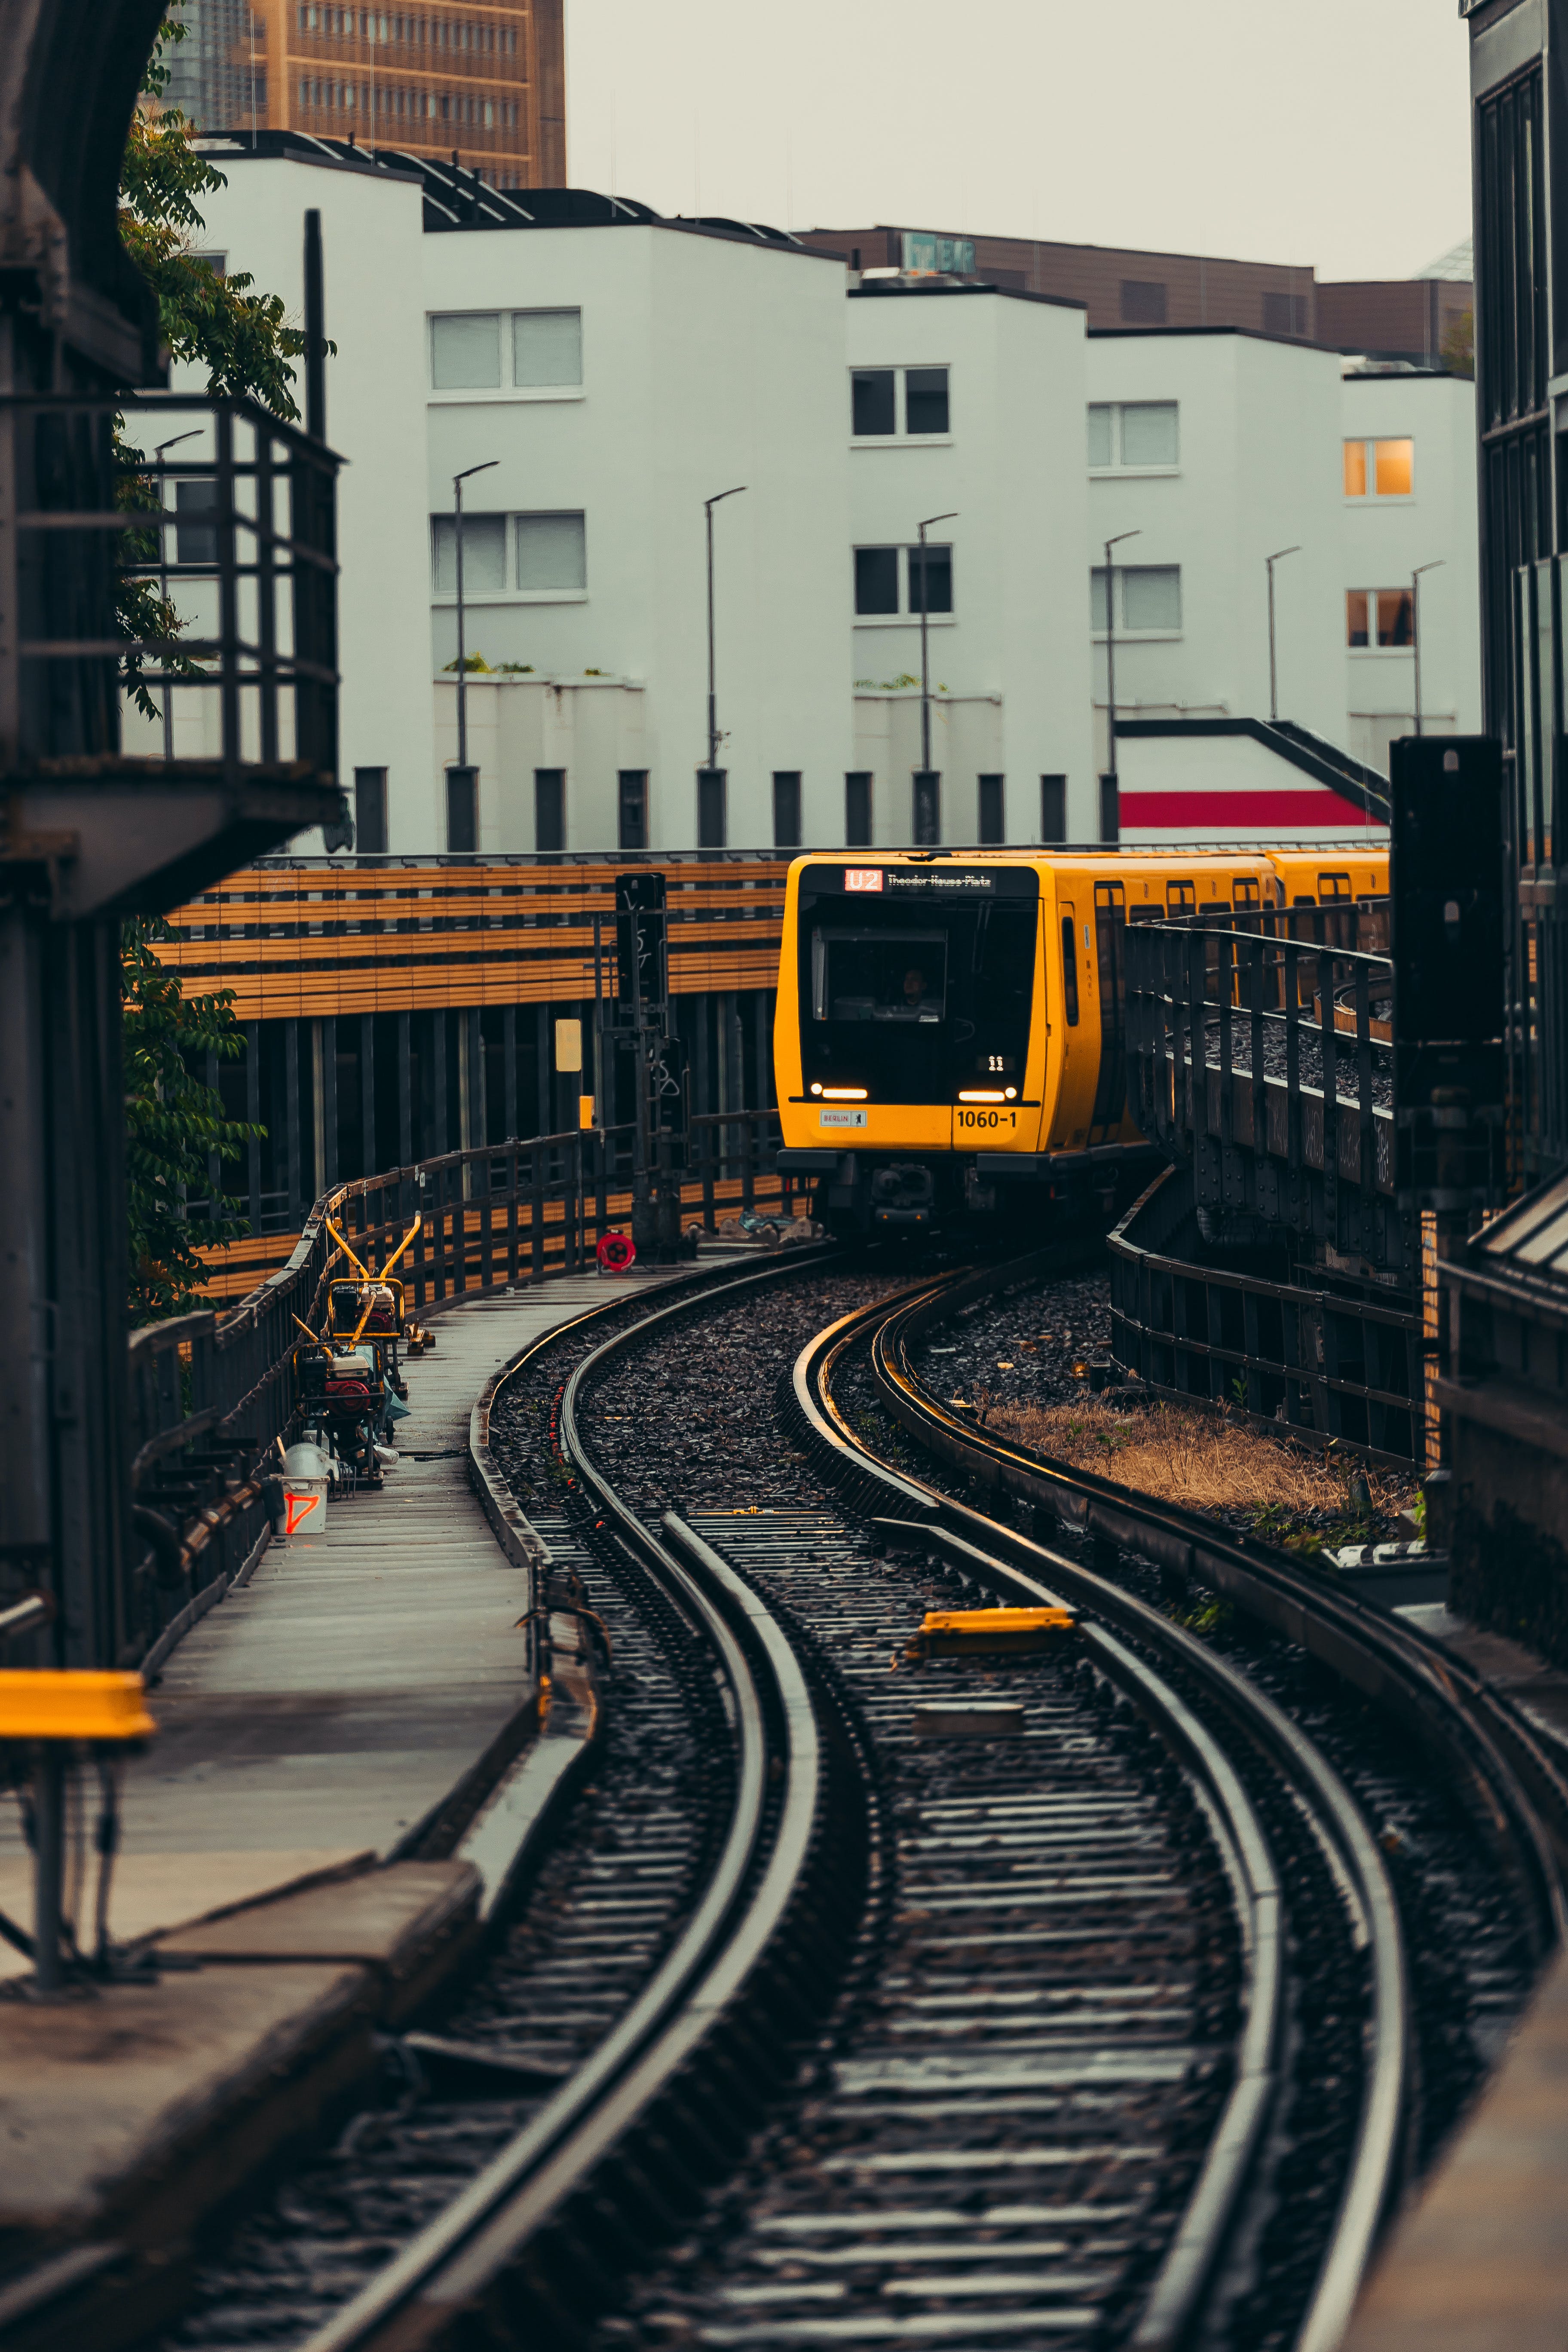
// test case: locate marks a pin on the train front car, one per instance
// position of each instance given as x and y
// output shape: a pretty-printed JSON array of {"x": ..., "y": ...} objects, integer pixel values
[{"x": 909, "y": 1035}]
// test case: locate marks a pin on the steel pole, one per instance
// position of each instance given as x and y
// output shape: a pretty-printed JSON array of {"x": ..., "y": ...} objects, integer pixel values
[
  {"x": 712, "y": 688},
  {"x": 48, "y": 1869},
  {"x": 1273, "y": 675},
  {"x": 1415, "y": 639},
  {"x": 1110, "y": 663},
  {"x": 925, "y": 668},
  {"x": 462, "y": 671}
]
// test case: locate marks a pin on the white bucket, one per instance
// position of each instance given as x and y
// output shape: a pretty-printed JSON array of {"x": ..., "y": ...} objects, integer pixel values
[{"x": 302, "y": 1493}]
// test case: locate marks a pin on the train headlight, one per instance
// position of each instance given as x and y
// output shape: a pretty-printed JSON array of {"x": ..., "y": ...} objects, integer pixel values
[{"x": 1011, "y": 1094}]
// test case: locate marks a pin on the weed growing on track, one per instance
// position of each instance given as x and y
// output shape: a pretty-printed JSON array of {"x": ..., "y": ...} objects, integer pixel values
[{"x": 1212, "y": 1462}]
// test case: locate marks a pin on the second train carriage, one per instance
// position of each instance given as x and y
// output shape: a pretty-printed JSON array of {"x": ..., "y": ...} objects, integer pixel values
[{"x": 950, "y": 1026}]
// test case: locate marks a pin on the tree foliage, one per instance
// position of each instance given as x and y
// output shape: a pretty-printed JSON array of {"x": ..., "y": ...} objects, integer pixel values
[
  {"x": 1459, "y": 345},
  {"x": 175, "y": 1122}
]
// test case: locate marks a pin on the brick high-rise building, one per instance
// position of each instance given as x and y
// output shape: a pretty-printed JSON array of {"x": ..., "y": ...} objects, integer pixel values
[{"x": 485, "y": 78}]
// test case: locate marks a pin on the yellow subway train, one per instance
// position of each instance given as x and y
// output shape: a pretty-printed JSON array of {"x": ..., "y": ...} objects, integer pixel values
[{"x": 950, "y": 1038}]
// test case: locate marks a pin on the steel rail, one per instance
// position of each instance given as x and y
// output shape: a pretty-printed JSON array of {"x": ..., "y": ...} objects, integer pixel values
[
  {"x": 1027, "y": 1570},
  {"x": 1518, "y": 1791},
  {"x": 486, "y": 2255}
]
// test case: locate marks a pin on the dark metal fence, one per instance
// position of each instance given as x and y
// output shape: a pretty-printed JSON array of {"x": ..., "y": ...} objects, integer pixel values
[
  {"x": 211, "y": 1393},
  {"x": 1261, "y": 1051},
  {"x": 236, "y": 535},
  {"x": 1261, "y": 1059}
]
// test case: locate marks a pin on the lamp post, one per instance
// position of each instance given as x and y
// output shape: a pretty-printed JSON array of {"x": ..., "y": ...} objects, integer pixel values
[
  {"x": 163, "y": 584},
  {"x": 457, "y": 481},
  {"x": 925, "y": 664},
  {"x": 1111, "y": 656},
  {"x": 1436, "y": 564},
  {"x": 1270, "y": 561},
  {"x": 708, "y": 507}
]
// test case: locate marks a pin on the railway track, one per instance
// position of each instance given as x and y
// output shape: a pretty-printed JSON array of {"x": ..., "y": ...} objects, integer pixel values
[{"x": 1027, "y": 2039}]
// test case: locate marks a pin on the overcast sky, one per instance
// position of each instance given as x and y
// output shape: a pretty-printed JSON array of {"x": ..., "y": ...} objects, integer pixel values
[{"x": 1334, "y": 134}]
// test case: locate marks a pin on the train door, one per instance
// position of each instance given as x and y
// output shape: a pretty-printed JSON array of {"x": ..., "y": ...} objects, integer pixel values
[{"x": 1111, "y": 960}]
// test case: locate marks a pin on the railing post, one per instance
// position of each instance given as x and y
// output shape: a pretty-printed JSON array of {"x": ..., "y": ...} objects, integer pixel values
[
  {"x": 536, "y": 1213},
  {"x": 511, "y": 1216}
]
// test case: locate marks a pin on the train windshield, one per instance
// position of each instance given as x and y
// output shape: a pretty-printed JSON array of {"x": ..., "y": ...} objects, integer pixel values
[
  {"x": 917, "y": 982},
  {"x": 871, "y": 975}
]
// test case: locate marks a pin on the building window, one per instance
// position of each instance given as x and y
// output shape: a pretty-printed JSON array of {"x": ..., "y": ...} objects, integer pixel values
[
  {"x": 370, "y": 810},
  {"x": 879, "y": 577},
  {"x": 711, "y": 829},
  {"x": 484, "y": 554},
  {"x": 1133, "y": 434},
  {"x": 1148, "y": 600},
  {"x": 872, "y": 409},
  {"x": 876, "y": 580},
  {"x": 928, "y": 808},
  {"x": 858, "y": 809},
  {"x": 552, "y": 552},
  {"x": 873, "y": 402},
  {"x": 1383, "y": 617},
  {"x": 937, "y": 563},
  {"x": 545, "y": 349},
  {"x": 1110, "y": 810},
  {"x": 1142, "y": 302},
  {"x": 1284, "y": 314},
  {"x": 462, "y": 810},
  {"x": 547, "y": 346},
  {"x": 549, "y": 808},
  {"x": 464, "y": 351},
  {"x": 992, "y": 809},
  {"x": 194, "y": 541},
  {"x": 925, "y": 400},
  {"x": 532, "y": 554},
  {"x": 632, "y": 800},
  {"x": 786, "y": 808},
  {"x": 1053, "y": 808},
  {"x": 1379, "y": 469}
]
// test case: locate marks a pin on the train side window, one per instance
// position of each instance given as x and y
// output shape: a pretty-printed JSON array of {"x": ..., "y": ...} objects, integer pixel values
[
  {"x": 1070, "y": 971},
  {"x": 1243, "y": 892},
  {"x": 1303, "y": 898},
  {"x": 1181, "y": 897},
  {"x": 1333, "y": 886}
]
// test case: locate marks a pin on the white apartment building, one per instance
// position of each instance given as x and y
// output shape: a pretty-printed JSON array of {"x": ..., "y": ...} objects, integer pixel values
[
  {"x": 961, "y": 402},
  {"x": 1410, "y": 558},
  {"x": 599, "y": 374},
  {"x": 1216, "y": 449}
]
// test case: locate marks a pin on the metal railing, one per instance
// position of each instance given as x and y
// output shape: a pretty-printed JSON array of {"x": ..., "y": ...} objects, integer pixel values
[
  {"x": 1260, "y": 1050},
  {"x": 1328, "y": 1365},
  {"x": 211, "y": 1393},
  {"x": 235, "y": 538}
]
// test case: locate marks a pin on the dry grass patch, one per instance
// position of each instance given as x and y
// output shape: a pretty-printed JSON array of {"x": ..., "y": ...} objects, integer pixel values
[{"x": 1214, "y": 1462}]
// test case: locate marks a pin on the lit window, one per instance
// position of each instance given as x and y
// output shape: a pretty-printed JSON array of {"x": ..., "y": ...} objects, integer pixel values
[
  {"x": 1383, "y": 617},
  {"x": 1395, "y": 624},
  {"x": 1395, "y": 469},
  {"x": 1133, "y": 436},
  {"x": 1379, "y": 469},
  {"x": 464, "y": 351},
  {"x": 551, "y": 551},
  {"x": 547, "y": 346}
]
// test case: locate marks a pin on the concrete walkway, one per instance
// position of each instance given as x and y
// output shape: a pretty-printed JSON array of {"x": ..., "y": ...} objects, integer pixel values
[{"x": 310, "y": 1722}]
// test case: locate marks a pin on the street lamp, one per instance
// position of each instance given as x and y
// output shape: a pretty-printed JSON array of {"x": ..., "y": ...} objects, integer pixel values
[
  {"x": 1436, "y": 564},
  {"x": 1110, "y": 660},
  {"x": 708, "y": 507},
  {"x": 457, "y": 481},
  {"x": 1278, "y": 557},
  {"x": 925, "y": 662},
  {"x": 164, "y": 587}
]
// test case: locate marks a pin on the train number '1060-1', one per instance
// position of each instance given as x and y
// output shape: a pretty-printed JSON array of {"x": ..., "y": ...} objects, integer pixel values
[{"x": 988, "y": 1119}]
